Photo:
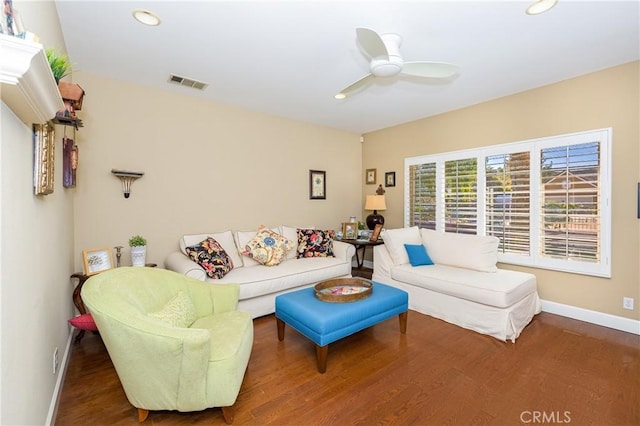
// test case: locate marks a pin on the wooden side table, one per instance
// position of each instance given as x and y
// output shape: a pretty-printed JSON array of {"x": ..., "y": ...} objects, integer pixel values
[
  {"x": 362, "y": 244},
  {"x": 77, "y": 299}
]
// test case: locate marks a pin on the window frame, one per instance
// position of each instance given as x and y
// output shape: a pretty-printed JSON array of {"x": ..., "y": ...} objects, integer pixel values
[{"x": 535, "y": 259}]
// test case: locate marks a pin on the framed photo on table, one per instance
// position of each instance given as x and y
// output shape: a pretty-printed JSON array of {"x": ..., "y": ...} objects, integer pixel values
[
  {"x": 317, "y": 185},
  {"x": 97, "y": 260},
  {"x": 376, "y": 232},
  {"x": 350, "y": 230}
]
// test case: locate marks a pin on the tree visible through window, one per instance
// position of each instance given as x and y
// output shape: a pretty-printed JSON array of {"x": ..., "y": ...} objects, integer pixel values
[{"x": 570, "y": 192}]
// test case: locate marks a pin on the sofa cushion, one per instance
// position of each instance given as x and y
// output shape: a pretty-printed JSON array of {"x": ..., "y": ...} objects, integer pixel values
[
  {"x": 267, "y": 247},
  {"x": 260, "y": 281},
  {"x": 315, "y": 243},
  {"x": 177, "y": 312},
  {"x": 243, "y": 237},
  {"x": 476, "y": 252},
  {"x": 212, "y": 257},
  {"x": 418, "y": 255},
  {"x": 395, "y": 239},
  {"x": 227, "y": 331},
  {"x": 291, "y": 233},
  {"x": 501, "y": 289},
  {"x": 225, "y": 239}
]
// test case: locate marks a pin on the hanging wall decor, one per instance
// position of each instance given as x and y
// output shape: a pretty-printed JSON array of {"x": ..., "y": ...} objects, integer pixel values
[
  {"x": 69, "y": 162},
  {"x": 43, "y": 158}
]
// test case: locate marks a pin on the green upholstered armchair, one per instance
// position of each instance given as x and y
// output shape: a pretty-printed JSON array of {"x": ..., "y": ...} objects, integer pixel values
[{"x": 176, "y": 343}]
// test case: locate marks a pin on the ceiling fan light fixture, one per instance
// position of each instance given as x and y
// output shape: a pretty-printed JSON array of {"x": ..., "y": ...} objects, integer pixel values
[
  {"x": 340, "y": 96},
  {"x": 145, "y": 17},
  {"x": 385, "y": 68},
  {"x": 540, "y": 6}
]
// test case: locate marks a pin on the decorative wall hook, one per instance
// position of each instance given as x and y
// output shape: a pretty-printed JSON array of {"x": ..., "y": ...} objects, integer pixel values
[{"x": 127, "y": 179}]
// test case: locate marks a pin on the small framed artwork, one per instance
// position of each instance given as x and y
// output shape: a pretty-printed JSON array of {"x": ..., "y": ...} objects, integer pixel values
[
  {"x": 390, "y": 179},
  {"x": 349, "y": 230},
  {"x": 376, "y": 232},
  {"x": 69, "y": 162},
  {"x": 370, "y": 177},
  {"x": 97, "y": 260},
  {"x": 43, "y": 158},
  {"x": 317, "y": 185}
]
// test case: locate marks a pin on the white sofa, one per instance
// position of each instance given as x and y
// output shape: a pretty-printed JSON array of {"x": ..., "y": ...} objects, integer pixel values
[
  {"x": 463, "y": 286},
  {"x": 259, "y": 285}
]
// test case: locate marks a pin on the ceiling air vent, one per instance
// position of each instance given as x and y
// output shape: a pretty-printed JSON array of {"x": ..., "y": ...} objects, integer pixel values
[{"x": 188, "y": 82}]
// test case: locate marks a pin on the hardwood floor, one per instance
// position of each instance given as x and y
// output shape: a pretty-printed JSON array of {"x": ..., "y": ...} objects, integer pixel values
[{"x": 559, "y": 371}]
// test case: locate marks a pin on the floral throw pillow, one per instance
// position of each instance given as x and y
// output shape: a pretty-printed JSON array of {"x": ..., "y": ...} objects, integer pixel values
[
  {"x": 315, "y": 243},
  {"x": 211, "y": 256},
  {"x": 267, "y": 247},
  {"x": 178, "y": 312}
]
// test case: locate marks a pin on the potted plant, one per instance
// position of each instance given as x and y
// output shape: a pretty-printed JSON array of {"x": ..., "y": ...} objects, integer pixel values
[
  {"x": 60, "y": 64},
  {"x": 138, "y": 246}
]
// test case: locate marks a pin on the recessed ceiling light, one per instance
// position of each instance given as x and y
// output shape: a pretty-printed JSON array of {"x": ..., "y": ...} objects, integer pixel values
[
  {"x": 541, "y": 6},
  {"x": 145, "y": 17}
]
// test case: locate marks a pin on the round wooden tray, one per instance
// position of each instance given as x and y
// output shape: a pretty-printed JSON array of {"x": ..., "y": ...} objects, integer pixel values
[{"x": 342, "y": 290}]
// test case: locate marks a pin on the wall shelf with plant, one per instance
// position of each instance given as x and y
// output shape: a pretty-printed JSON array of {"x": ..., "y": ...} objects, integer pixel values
[{"x": 27, "y": 83}]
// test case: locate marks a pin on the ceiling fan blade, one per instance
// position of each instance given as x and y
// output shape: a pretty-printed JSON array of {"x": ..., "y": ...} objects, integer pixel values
[
  {"x": 430, "y": 69},
  {"x": 371, "y": 42},
  {"x": 355, "y": 86}
]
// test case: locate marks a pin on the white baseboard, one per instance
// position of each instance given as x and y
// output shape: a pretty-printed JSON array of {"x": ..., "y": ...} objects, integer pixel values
[
  {"x": 593, "y": 317},
  {"x": 55, "y": 398}
]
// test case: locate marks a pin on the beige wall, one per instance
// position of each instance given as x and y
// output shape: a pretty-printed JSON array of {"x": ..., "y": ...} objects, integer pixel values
[
  {"x": 36, "y": 257},
  {"x": 608, "y": 98},
  {"x": 208, "y": 167}
]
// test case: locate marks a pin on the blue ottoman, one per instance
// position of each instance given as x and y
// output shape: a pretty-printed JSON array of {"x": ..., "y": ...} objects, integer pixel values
[{"x": 325, "y": 322}]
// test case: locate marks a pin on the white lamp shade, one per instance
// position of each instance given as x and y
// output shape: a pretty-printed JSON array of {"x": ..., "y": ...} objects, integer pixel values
[{"x": 375, "y": 202}]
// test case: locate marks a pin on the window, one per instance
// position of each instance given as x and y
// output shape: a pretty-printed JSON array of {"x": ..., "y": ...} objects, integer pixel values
[
  {"x": 508, "y": 200},
  {"x": 547, "y": 200},
  {"x": 422, "y": 205},
  {"x": 460, "y": 195}
]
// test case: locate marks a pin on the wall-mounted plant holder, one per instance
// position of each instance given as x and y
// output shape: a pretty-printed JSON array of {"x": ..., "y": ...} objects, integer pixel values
[{"x": 127, "y": 178}]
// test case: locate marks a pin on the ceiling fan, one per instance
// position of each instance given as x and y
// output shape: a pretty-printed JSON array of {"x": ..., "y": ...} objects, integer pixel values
[{"x": 386, "y": 61}]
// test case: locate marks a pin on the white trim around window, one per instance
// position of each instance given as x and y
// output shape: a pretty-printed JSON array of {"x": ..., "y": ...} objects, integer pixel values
[{"x": 568, "y": 194}]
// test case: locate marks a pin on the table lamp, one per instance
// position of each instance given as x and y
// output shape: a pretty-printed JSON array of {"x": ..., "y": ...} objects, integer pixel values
[{"x": 375, "y": 203}]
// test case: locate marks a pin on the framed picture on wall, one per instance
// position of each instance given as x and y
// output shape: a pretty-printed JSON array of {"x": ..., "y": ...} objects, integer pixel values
[
  {"x": 370, "y": 176},
  {"x": 43, "y": 158},
  {"x": 97, "y": 260},
  {"x": 317, "y": 185},
  {"x": 390, "y": 179}
]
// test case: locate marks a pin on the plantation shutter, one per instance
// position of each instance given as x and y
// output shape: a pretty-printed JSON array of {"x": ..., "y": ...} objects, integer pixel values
[
  {"x": 461, "y": 195},
  {"x": 507, "y": 201},
  {"x": 422, "y": 195},
  {"x": 570, "y": 194}
]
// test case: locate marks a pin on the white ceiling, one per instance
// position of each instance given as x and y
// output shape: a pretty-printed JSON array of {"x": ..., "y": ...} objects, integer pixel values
[{"x": 289, "y": 58}]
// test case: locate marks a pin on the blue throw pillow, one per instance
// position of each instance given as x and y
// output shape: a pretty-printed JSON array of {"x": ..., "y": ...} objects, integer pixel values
[{"x": 418, "y": 255}]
